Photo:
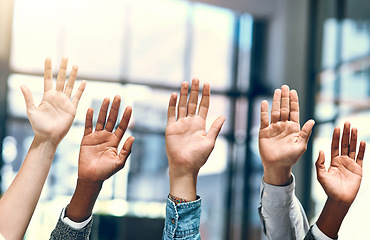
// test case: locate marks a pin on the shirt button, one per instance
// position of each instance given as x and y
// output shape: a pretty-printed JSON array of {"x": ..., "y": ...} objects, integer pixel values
[{"x": 173, "y": 221}]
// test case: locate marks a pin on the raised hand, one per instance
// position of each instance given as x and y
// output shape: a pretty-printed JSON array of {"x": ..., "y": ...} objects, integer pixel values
[
  {"x": 52, "y": 119},
  {"x": 99, "y": 158},
  {"x": 342, "y": 180},
  {"x": 282, "y": 142},
  {"x": 188, "y": 145}
]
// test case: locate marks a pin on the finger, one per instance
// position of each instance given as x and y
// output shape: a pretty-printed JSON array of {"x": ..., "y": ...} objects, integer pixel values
[
  {"x": 171, "y": 112},
  {"x": 62, "y": 74},
  {"x": 78, "y": 94},
  {"x": 264, "y": 114},
  {"x": 181, "y": 108},
  {"x": 361, "y": 153},
  {"x": 204, "y": 102},
  {"x": 125, "y": 152},
  {"x": 48, "y": 75},
  {"x": 345, "y": 139},
  {"x": 28, "y": 98},
  {"x": 193, "y": 98},
  {"x": 124, "y": 123},
  {"x": 284, "y": 110},
  {"x": 275, "y": 109},
  {"x": 71, "y": 81},
  {"x": 294, "y": 106},
  {"x": 113, "y": 113},
  {"x": 320, "y": 165},
  {"x": 335, "y": 143},
  {"x": 353, "y": 143},
  {"x": 215, "y": 128},
  {"x": 306, "y": 131},
  {"x": 88, "y": 121},
  {"x": 102, "y": 115}
]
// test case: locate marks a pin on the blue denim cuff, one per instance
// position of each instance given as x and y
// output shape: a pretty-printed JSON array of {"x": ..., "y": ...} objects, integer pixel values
[{"x": 182, "y": 220}]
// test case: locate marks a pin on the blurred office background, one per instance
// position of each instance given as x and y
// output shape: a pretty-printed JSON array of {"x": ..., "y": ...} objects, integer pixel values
[{"x": 142, "y": 50}]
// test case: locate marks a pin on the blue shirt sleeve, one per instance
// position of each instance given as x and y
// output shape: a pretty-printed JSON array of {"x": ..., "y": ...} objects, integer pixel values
[{"x": 182, "y": 220}]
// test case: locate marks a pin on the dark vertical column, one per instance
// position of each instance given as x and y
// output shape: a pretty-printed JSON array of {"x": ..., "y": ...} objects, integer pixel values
[
  {"x": 310, "y": 99},
  {"x": 257, "y": 87},
  {"x": 339, "y": 15},
  {"x": 313, "y": 69},
  {"x": 229, "y": 226}
]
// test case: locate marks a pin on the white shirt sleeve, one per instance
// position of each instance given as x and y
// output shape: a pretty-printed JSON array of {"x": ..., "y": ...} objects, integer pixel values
[
  {"x": 318, "y": 234},
  {"x": 281, "y": 213},
  {"x": 73, "y": 224}
]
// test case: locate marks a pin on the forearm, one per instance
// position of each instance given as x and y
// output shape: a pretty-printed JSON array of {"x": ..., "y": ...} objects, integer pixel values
[
  {"x": 19, "y": 202},
  {"x": 83, "y": 200},
  {"x": 331, "y": 217}
]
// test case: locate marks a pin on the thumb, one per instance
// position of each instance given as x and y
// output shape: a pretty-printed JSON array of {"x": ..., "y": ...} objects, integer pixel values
[
  {"x": 306, "y": 130},
  {"x": 125, "y": 151},
  {"x": 320, "y": 165},
  {"x": 27, "y": 97},
  {"x": 215, "y": 128}
]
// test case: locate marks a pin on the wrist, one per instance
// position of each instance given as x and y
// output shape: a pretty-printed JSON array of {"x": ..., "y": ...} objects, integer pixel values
[
  {"x": 83, "y": 200},
  {"x": 332, "y": 216},
  {"x": 44, "y": 141},
  {"x": 45, "y": 151},
  {"x": 278, "y": 176},
  {"x": 183, "y": 186}
]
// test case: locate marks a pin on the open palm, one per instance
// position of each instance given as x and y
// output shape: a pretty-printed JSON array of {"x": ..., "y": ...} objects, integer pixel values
[
  {"x": 188, "y": 145},
  {"x": 99, "y": 157},
  {"x": 281, "y": 142},
  {"x": 54, "y": 116},
  {"x": 342, "y": 180}
]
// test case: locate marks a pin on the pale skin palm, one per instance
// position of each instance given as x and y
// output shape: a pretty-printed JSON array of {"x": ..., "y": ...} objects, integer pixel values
[
  {"x": 53, "y": 117},
  {"x": 281, "y": 141},
  {"x": 50, "y": 121},
  {"x": 280, "y": 144},
  {"x": 188, "y": 145},
  {"x": 190, "y": 134}
]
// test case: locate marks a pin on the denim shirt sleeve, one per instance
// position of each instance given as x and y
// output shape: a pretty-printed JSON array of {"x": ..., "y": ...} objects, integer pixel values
[
  {"x": 281, "y": 213},
  {"x": 182, "y": 220}
]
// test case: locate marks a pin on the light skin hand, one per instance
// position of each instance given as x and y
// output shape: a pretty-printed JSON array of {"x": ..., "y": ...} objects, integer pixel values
[
  {"x": 99, "y": 157},
  {"x": 281, "y": 141},
  {"x": 52, "y": 119},
  {"x": 188, "y": 145},
  {"x": 341, "y": 182}
]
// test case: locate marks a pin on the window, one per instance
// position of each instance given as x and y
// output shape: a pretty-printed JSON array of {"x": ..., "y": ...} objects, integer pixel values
[
  {"x": 342, "y": 93},
  {"x": 141, "y": 50}
]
